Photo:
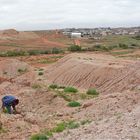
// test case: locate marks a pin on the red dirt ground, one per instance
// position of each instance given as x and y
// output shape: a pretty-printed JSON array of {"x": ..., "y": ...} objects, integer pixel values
[
  {"x": 114, "y": 113},
  {"x": 113, "y": 116},
  {"x": 12, "y": 39},
  {"x": 104, "y": 72}
]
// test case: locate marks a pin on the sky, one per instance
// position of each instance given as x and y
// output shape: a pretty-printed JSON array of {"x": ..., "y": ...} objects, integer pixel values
[{"x": 55, "y": 14}]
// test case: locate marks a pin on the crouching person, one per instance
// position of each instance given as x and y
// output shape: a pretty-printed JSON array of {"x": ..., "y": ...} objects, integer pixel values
[{"x": 9, "y": 102}]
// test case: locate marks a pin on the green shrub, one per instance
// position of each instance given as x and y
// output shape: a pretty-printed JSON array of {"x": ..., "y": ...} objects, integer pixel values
[
  {"x": 113, "y": 47},
  {"x": 83, "y": 96},
  {"x": 99, "y": 48},
  {"x": 39, "y": 137},
  {"x": 123, "y": 46},
  {"x": 133, "y": 44},
  {"x": 56, "y": 51},
  {"x": 60, "y": 127},
  {"x": 64, "y": 96},
  {"x": 2, "y": 130},
  {"x": 92, "y": 92},
  {"x": 41, "y": 69},
  {"x": 30, "y": 52},
  {"x": 40, "y": 73},
  {"x": 136, "y": 37},
  {"x": 36, "y": 86},
  {"x": 84, "y": 49},
  {"x": 22, "y": 70},
  {"x": 70, "y": 89},
  {"x": 85, "y": 122},
  {"x": 73, "y": 125},
  {"x": 53, "y": 86},
  {"x": 74, "y": 104},
  {"x": 13, "y": 53},
  {"x": 74, "y": 48},
  {"x": 1, "y": 125},
  {"x": 37, "y": 52},
  {"x": 49, "y": 133},
  {"x": 33, "y": 52}
]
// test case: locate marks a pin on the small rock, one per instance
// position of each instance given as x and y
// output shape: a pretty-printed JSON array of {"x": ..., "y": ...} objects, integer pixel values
[
  {"x": 87, "y": 105},
  {"x": 138, "y": 87},
  {"x": 59, "y": 114}
]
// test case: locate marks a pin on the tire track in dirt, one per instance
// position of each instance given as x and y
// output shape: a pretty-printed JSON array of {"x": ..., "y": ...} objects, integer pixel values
[
  {"x": 121, "y": 77},
  {"x": 84, "y": 74}
]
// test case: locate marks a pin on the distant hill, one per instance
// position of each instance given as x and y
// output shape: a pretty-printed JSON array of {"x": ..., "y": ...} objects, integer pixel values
[{"x": 12, "y": 39}]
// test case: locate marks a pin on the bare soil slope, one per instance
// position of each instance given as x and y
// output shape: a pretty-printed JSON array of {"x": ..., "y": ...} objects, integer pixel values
[
  {"x": 15, "y": 35},
  {"x": 24, "y": 40},
  {"x": 38, "y": 108},
  {"x": 114, "y": 115},
  {"x": 10, "y": 68},
  {"x": 106, "y": 73},
  {"x": 115, "y": 118}
]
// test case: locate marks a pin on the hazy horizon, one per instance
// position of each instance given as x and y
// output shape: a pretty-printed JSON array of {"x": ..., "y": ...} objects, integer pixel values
[
  {"x": 52, "y": 14},
  {"x": 70, "y": 28}
]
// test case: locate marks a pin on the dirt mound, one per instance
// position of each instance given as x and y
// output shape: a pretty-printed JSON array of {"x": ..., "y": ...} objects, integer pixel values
[
  {"x": 54, "y": 38},
  {"x": 17, "y": 35},
  {"x": 10, "y": 32},
  {"x": 27, "y": 36},
  {"x": 51, "y": 34},
  {"x": 10, "y": 68},
  {"x": 30, "y": 40},
  {"x": 106, "y": 73}
]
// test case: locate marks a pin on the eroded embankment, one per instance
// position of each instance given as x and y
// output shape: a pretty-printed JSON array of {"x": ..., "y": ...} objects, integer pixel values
[{"x": 106, "y": 73}]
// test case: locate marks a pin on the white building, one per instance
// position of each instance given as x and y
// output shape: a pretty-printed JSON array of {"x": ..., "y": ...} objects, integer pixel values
[{"x": 76, "y": 35}]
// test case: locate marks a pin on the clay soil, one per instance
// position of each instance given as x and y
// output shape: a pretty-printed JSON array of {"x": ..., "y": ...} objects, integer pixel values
[
  {"x": 15, "y": 40},
  {"x": 114, "y": 114}
]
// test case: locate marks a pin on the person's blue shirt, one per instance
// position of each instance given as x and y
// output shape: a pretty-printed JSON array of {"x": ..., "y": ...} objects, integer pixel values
[{"x": 7, "y": 100}]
